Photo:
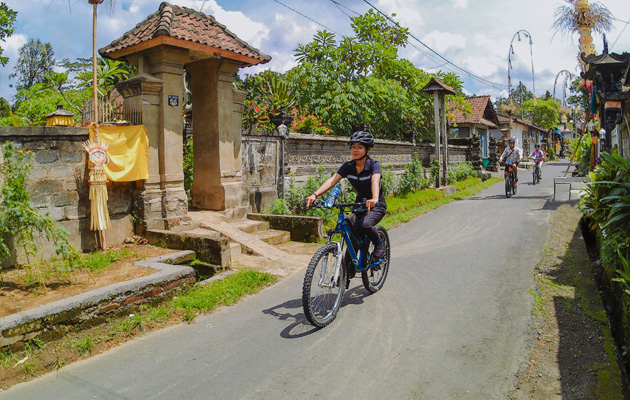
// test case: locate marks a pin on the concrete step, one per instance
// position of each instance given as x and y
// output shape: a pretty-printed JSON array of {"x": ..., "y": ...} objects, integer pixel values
[
  {"x": 250, "y": 226},
  {"x": 236, "y": 250},
  {"x": 273, "y": 237}
]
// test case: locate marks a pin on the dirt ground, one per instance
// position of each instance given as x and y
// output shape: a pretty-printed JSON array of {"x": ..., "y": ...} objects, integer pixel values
[
  {"x": 16, "y": 294},
  {"x": 573, "y": 355}
]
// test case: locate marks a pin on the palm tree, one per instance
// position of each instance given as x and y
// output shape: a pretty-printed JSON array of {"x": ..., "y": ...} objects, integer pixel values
[{"x": 582, "y": 17}]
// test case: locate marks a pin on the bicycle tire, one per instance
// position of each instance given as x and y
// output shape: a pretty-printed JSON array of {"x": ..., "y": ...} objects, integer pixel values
[
  {"x": 374, "y": 278},
  {"x": 534, "y": 175},
  {"x": 321, "y": 309},
  {"x": 508, "y": 186},
  {"x": 514, "y": 186}
]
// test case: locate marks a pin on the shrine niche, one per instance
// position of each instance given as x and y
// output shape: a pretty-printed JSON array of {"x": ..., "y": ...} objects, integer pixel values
[{"x": 167, "y": 43}]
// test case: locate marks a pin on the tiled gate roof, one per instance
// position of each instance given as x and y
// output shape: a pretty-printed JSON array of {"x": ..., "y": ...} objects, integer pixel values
[{"x": 184, "y": 24}]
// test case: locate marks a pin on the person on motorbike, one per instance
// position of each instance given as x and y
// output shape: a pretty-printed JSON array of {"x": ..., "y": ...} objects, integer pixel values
[
  {"x": 364, "y": 175},
  {"x": 538, "y": 155},
  {"x": 513, "y": 154}
]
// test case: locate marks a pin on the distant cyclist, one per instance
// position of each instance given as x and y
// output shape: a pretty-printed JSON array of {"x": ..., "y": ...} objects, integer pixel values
[
  {"x": 513, "y": 154},
  {"x": 538, "y": 155},
  {"x": 364, "y": 175}
]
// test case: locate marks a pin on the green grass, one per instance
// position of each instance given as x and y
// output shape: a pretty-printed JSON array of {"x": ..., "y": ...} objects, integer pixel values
[
  {"x": 100, "y": 260},
  {"x": 404, "y": 209},
  {"x": 224, "y": 292}
]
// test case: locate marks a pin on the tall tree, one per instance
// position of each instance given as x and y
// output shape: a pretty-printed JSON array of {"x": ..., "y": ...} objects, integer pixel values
[
  {"x": 7, "y": 26},
  {"x": 35, "y": 61},
  {"x": 361, "y": 80}
]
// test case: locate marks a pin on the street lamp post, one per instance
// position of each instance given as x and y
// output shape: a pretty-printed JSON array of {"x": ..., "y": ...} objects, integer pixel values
[{"x": 517, "y": 35}]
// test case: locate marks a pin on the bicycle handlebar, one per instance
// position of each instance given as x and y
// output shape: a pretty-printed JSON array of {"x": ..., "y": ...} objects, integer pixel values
[{"x": 320, "y": 204}]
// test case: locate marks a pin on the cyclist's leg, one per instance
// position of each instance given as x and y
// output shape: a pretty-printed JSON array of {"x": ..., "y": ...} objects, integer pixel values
[{"x": 367, "y": 222}]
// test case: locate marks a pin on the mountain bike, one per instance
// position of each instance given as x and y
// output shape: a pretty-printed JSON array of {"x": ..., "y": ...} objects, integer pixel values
[
  {"x": 536, "y": 171},
  {"x": 510, "y": 179},
  {"x": 329, "y": 271}
]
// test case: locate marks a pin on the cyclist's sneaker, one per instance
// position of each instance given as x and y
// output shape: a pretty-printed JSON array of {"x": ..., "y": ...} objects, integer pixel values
[{"x": 379, "y": 249}]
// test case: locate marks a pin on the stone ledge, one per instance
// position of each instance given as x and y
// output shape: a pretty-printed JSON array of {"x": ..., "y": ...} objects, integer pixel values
[
  {"x": 28, "y": 324},
  {"x": 302, "y": 228}
]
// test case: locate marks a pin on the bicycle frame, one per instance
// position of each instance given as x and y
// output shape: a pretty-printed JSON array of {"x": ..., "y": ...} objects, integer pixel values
[{"x": 357, "y": 256}]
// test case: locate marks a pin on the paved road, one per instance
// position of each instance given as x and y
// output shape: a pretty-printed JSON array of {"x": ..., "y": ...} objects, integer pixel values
[{"x": 452, "y": 322}]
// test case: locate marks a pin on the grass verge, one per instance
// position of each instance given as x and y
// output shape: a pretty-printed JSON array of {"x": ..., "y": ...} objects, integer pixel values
[
  {"x": 403, "y": 209},
  {"x": 38, "y": 357},
  {"x": 573, "y": 353}
]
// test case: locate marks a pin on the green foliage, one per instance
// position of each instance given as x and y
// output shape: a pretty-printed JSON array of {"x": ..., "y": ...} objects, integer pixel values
[
  {"x": 35, "y": 61},
  {"x": 19, "y": 223},
  {"x": 389, "y": 180},
  {"x": 188, "y": 163},
  {"x": 32, "y": 105},
  {"x": 413, "y": 177},
  {"x": 357, "y": 81},
  {"x": 7, "y": 27},
  {"x": 606, "y": 200},
  {"x": 584, "y": 155},
  {"x": 459, "y": 172},
  {"x": 544, "y": 113},
  {"x": 309, "y": 124},
  {"x": 551, "y": 154}
]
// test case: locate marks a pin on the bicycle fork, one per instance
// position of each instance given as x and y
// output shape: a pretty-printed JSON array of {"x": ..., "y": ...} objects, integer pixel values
[{"x": 322, "y": 279}]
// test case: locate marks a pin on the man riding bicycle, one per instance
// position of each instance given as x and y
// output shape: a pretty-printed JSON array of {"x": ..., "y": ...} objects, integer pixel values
[
  {"x": 364, "y": 175},
  {"x": 539, "y": 156},
  {"x": 513, "y": 154}
]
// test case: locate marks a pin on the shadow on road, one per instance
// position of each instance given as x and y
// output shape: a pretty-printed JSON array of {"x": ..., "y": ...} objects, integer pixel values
[{"x": 300, "y": 327}]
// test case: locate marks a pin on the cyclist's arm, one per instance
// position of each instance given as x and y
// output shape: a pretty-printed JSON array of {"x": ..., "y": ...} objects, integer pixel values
[
  {"x": 376, "y": 193},
  {"x": 326, "y": 186}
]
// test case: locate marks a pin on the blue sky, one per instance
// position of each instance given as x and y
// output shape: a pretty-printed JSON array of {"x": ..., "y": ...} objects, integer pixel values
[{"x": 472, "y": 34}]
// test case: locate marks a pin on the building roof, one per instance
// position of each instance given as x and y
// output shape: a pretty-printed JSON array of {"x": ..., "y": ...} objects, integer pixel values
[
  {"x": 436, "y": 85},
  {"x": 504, "y": 120},
  {"x": 482, "y": 113},
  {"x": 184, "y": 27}
]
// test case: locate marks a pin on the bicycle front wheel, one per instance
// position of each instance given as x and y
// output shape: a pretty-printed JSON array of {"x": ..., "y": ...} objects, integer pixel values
[
  {"x": 374, "y": 278},
  {"x": 508, "y": 186},
  {"x": 322, "y": 292}
]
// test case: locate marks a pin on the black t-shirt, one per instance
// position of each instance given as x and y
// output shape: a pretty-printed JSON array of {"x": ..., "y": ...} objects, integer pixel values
[{"x": 362, "y": 182}]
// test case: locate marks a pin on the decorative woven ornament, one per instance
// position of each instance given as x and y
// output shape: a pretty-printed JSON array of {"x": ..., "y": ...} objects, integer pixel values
[{"x": 97, "y": 150}]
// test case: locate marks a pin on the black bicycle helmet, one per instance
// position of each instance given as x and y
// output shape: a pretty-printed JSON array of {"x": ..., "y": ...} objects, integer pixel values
[
  {"x": 512, "y": 140},
  {"x": 537, "y": 145},
  {"x": 365, "y": 138}
]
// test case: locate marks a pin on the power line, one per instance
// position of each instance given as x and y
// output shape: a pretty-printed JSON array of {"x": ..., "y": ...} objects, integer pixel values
[
  {"x": 496, "y": 85},
  {"x": 620, "y": 33},
  {"x": 339, "y": 5},
  {"x": 307, "y": 17}
]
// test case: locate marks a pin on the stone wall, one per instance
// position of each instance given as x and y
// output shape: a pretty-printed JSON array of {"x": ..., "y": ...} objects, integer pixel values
[
  {"x": 261, "y": 154},
  {"x": 58, "y": 184}
]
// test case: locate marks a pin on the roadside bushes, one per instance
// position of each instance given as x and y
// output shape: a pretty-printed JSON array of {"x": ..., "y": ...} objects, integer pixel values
[
  {"x": 606, "y": 206},
  {"x": 412, "y": 179}
]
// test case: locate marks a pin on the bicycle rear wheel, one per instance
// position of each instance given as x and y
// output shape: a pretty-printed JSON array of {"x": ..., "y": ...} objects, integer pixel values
[
  {"x": 534, "y": 175},
  {"x": 374, "y": 278},
  {"x": 321, "y": 292}
]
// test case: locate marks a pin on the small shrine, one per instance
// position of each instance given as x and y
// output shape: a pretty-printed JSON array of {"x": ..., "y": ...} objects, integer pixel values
[{"x": 609, "y": 74}]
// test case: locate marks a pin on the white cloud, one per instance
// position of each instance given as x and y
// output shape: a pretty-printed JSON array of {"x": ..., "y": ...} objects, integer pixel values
[
  {"x": 460, "y": 3},
  {"x": 480, "y": 66},
  {"x": 443, "y": 42}
]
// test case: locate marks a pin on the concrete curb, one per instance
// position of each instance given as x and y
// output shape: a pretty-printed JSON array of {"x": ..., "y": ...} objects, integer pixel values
[{"x": 29, "y": 324}]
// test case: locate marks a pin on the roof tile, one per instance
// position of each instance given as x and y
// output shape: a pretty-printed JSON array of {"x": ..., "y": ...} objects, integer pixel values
[{"x": 186, "y": 24}]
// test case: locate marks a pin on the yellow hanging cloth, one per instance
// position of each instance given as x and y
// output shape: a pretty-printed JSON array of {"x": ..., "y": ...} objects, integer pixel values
[{"x": 128, "y": 152}]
